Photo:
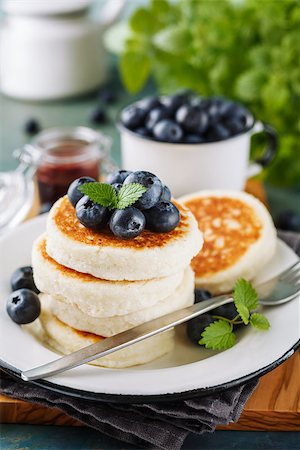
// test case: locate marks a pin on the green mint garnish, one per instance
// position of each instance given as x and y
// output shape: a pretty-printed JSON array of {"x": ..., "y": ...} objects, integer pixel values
[
  {"x": 106, "y": 195},
  {"x": 219, "y": 335}
]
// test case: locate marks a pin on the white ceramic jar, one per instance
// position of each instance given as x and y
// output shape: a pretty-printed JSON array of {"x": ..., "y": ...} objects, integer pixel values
[{"x": 52, "y": 49}]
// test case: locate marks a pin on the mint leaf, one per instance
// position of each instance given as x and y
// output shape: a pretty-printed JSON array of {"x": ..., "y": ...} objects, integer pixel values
[
  {"x": 243, "y": 312},
  {"x": 218, "y": 336},
  {"x": 101, "y": 193},
  {"x": 259, "y": 321},
  {"x": 134, "y": 79},
  {"x": 129, "y": 194},
  {"x": 245, "y": 294}
]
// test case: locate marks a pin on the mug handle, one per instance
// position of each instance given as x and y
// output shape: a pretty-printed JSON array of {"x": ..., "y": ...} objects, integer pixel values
[{"x": 266, "y": 159}]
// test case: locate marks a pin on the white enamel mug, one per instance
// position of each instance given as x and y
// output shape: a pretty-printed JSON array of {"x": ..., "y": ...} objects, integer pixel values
[{"x": 186, "y": 168}]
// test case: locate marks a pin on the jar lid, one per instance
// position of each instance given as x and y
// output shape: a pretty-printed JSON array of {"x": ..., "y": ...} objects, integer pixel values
[
  {"x": 44, "y": 8},
  {"x": 16, "y": 198}
]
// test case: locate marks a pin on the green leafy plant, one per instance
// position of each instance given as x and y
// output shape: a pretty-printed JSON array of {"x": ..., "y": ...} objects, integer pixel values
[
  {"x": 246, "y": 50},
  {"x": 219, "y": 335},
  {"x": 106, "y": 195}
]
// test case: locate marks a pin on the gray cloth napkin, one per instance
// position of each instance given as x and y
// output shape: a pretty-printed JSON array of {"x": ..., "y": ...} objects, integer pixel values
[{"x": 157, "y": 425}]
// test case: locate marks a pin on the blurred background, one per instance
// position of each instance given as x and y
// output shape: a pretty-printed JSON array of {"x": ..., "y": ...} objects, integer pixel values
[{"x": 79, "y": 62}]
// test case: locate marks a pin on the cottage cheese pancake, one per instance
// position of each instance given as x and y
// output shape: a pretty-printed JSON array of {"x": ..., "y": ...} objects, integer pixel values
[
  {"x": 239, "y": 237},
  {"x": 95, "y": 296},
  {"x": 102, "y": 254},
  {"x": 72, "y": 315},
  {"x": 66, "y": 339}
]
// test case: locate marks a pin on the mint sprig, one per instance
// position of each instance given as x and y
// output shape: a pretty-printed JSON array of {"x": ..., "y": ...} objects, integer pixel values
[
  {"x": 106, "y": 195},
  {"x": 219, "y": 335}
]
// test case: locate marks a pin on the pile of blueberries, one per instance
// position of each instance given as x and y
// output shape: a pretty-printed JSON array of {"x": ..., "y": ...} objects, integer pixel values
[
  {"x": 153, "y": 210},
  {"x": 23, "y": 304},
  {"x": 186, "y": 118},
  {"x": 196, "y": 326}
]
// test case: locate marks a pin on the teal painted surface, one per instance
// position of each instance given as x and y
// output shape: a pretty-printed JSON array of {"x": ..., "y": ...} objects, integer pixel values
[{"x": 37, "y": 437}]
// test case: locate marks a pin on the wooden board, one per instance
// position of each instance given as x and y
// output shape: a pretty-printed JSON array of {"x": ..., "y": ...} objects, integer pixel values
[{"x": 274, "y": 406}]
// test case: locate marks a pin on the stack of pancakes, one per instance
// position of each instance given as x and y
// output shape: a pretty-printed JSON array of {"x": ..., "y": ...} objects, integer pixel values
[{"x": 95, "y": 285}]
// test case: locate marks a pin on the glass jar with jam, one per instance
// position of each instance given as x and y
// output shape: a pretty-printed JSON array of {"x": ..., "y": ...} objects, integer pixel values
[{"x": 65, "y": 154}]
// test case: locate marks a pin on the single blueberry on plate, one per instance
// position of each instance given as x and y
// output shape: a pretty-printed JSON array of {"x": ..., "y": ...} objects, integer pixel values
[
  {"x": 168, "y": 131},
  {"x": 192, "y": 119},
  {"x": 165, "y": 195},
  {"x": 228, "y": 311},
  {"x": 156, "y": 115},
  {"x": 201, "y": 294},
  {"x": 152, "y": 183},
  {"x": 288, "y": 220},
  {"x": 117, "y": 177},
  {"x": 74, "y": 195},
  {"x": 127, "y": 223},
  {"x": 98, "y": 115},
  {"x": 23, "y": 278},
  {"x": 196, "y": 326},
  {"x": 23, "y": 306},
  {"x": 90, "y": 214},
  {"x": 133, "y": 117},
  {"x": 32, "y": 126},
  {"x": 162, "y": 218}
]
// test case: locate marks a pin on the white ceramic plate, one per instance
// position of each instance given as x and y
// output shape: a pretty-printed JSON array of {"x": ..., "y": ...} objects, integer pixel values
[{"x": 188, "y": 371}]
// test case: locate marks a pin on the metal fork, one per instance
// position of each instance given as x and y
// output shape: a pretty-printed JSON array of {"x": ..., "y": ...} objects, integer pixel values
[{"x": 280, "y": 289}]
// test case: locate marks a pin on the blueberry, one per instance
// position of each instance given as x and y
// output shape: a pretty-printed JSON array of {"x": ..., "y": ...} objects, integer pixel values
[
  {"x": 98, "y": 115},
  {"x": 45, "y": 207},
  {"x": 156, "y": 115},
  {"x": 153, "y": 185},
  {"x": 107, "y": 95},
  {"x": 32, "y": 126},
  {"x": 127, "y": 223},
  {"x": 74, "y": 195},
  {"x": 227, "y": 109},
  {"x": 165, "y": 195},
  {"x": 142, "y": 131},
  {"x": 229, "y": 311},
  {"x": 149, "y": 103},
  {"x": 234, "y": 125},
  {"x": 173, "y": 102},
  {"x": 201, "y": 294},
  {"x": 23, "y": 306},
  {"x": 162, "y": 218},
  {"x": 196, "y": 326},
  {"x": 193, "y": 139},
  {"x": 168, "y": 131},
  {"x": 218, "y": 132},
  {"x": 90, "y": 214},
  {"x": 117, "y": 186},
  {"x": 133, "y": 116},
  {"x": 23, "y": 278},
  {"x": 192, "y": 119},
  {"x": 288, "y": 220},
  {"x": 118, "y": 177}
]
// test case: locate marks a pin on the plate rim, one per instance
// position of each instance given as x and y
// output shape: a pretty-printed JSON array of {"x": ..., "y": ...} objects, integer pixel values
[{"x": 138, "y": 399}]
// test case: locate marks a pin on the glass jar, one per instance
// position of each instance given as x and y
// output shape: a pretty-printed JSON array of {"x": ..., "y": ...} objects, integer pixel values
[{"x": 64, "y": 155}]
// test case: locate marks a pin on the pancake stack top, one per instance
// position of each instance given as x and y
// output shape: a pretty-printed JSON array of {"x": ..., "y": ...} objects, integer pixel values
[{"x": 95, "y": 285}]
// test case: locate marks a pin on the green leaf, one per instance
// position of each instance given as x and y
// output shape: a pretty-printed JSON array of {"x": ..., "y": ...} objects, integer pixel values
[
  {"x": 244, "y": 293},
  {"x": 173, "y": 39},
  {"x": 135, "y": 70},
  {"x": 101, "y": 193},
  {"x": 218, "y": 336},
  {"x": 143, "y": 21},
  {"x": 259, "y": 321},
  {"x": 129, "y": 194},
  {"x": 243, "y": 312}
]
